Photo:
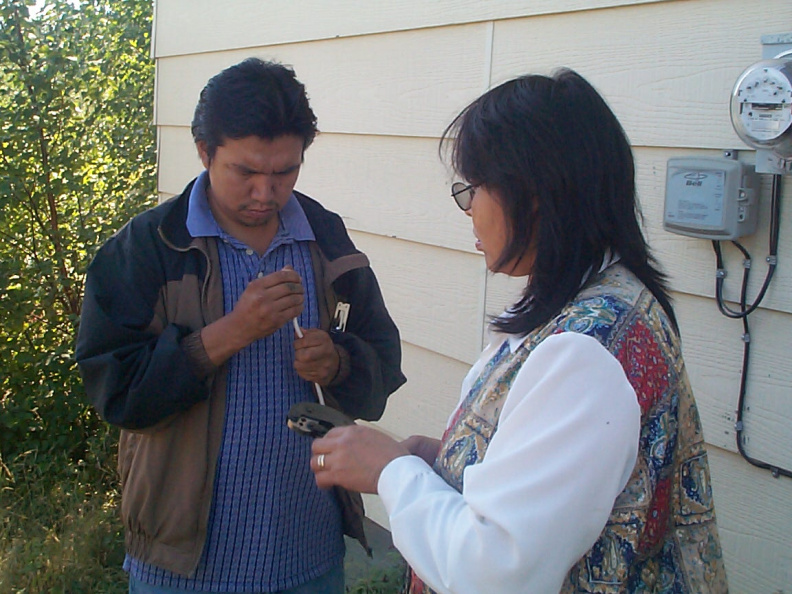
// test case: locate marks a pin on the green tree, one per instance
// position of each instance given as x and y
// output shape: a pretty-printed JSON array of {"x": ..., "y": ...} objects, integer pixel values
[{"x": 77, "y": 160}]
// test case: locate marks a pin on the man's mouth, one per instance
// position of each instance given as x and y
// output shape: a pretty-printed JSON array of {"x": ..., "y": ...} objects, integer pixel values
[{"x": 259, "y": 211}]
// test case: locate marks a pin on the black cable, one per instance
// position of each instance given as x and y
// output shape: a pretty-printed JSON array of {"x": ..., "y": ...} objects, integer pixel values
[
  {"x": 772, "y": 260},
  {"x": 745, "y": 311}
]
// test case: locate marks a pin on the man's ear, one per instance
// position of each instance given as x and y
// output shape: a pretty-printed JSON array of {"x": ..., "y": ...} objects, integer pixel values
[{"x": 203, "y": 153}]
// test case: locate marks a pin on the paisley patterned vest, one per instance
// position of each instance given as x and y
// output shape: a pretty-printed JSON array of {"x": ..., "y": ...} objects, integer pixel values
[{"x": 661, "y": 535}]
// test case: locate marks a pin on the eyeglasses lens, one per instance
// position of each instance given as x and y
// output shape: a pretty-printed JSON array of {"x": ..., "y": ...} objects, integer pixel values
[{"x": 462, "y": 194}]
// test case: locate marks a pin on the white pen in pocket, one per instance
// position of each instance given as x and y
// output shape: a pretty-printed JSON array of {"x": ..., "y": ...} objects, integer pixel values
[{"x": 319, "y": 392}]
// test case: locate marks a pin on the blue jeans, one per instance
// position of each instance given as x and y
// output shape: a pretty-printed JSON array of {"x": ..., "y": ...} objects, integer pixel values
[{"x": 331, "y": 582}]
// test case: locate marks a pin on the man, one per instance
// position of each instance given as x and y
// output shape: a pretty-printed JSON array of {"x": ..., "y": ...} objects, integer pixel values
[{"x": 187, "y": 343}]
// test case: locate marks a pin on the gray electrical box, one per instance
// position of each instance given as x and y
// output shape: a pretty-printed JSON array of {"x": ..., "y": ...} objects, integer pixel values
[{"x": 710, "y": 197}]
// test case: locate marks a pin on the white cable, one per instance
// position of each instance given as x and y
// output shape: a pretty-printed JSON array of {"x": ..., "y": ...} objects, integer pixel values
[{"x": 318, "y": 387}]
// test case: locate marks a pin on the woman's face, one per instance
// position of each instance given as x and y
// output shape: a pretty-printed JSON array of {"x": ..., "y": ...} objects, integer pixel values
[{"x": 492, "y": 233}]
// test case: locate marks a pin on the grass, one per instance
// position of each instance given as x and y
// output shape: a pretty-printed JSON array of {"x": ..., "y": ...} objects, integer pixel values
[
  {"x": 60, "y": 532},
  {"x": 380, "y": 580}
]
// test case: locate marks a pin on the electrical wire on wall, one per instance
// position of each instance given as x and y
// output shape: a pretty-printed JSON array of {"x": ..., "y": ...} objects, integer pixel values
[{"x": 745, "y": 310}]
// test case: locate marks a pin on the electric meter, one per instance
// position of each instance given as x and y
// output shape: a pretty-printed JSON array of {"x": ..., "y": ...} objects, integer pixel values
[
  {"x": 710, "y": 197},
  {"x": 761, "y": 113}
]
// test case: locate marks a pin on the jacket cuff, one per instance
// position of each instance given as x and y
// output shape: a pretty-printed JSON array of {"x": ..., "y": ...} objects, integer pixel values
[
  {"x": 344, "y": 366},
  {"x": 200, "y": 363}
]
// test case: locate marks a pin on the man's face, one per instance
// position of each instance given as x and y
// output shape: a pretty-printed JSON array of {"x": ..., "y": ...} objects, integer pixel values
[{"x": 250, "y": 180}]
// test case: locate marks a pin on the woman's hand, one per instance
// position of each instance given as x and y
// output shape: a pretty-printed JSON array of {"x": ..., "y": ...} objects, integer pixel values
[
  {"x": 424, "y": 447},
  {"x": 353, "y": 457}
]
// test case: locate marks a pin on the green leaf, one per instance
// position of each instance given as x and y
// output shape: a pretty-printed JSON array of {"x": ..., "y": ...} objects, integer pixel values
[{"x": 77, "y": 151}]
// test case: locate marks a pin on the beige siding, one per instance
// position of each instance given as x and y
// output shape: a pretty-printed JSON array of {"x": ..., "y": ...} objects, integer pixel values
[
  {"x": 391, "y": 186},
  {"x": 666, "y": 69},
  {"x": 178, "y": 159},
  {"x": 753, "y": 520},
  {"x": 435, "y": 295},
  {"x": 386, "y": 79},
  {"x": 713, "y": 354},
  {"x": 428, "y": 75},
  {"x": 199, "y": 26}
]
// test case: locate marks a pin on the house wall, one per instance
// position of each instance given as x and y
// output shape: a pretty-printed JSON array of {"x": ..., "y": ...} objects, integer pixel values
[{"x": 385, "y": 80}]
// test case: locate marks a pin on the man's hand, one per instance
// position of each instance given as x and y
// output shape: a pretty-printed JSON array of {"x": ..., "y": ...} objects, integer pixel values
[
  {"x": 266, "y": 304},
  {"x": 315, "y": 356}
]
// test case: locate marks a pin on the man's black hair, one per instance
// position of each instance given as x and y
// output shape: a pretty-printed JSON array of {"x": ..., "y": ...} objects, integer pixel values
[{"x": 253, "y": 98}]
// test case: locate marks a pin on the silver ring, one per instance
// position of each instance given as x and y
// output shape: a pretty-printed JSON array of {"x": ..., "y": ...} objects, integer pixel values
[{"x": 320, "y": 461}]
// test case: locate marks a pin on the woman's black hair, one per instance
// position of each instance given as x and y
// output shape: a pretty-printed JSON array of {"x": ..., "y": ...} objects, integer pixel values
[
  {"x": 253, "y": 98},
  {"x": 559, "y": 162}
]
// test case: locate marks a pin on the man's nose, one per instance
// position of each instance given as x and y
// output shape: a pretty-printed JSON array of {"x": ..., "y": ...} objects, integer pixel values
[{"x": 263, "y": 187}]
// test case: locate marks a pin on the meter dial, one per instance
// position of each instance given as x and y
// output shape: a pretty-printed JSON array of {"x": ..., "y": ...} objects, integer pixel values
[{"x": 761, "y": 104}]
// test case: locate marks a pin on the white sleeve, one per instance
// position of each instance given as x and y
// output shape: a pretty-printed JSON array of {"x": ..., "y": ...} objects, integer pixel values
[{"x": 566, "y": 444}]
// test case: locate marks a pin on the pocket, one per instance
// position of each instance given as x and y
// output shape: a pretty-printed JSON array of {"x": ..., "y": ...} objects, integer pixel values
[
  {"x": 695, "y": 491},
  {"x": 604, "y": 569}
]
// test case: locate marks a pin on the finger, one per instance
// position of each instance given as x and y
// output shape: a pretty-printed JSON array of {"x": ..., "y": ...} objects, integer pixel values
[
  {"x": 292, "y": 280},
  {"x": 322, "y": 476},
  {"x": 291, "y": 301},
  {"x": 280, "y": 277},
  {"x": 317, "y": 354},
  {"x": 308, "y": 353},
  {"x": 284, "y": 289},
  {"x": 314, "y": 338},
  {"x": 280, "y": 299},
  {"x": 284, "y": 295},
  {"x": 324, "y": 445},
  {"x": 323, "y": 480},
  {"x": 317, "y": 336},
  {"x": 319, "y": 461},
  {"x": 320, "y": 371}
]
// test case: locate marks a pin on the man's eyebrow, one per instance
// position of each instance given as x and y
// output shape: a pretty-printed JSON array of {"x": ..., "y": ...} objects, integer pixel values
[
  {"x": 288, "y": 169},
  {"x": 249, "y": 170}
]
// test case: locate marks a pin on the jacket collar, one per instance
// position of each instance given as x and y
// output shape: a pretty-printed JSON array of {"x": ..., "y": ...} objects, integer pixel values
[{"x": 328, "y": 228}]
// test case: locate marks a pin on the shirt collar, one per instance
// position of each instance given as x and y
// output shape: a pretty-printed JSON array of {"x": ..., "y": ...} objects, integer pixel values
[{"x": 201, "y": 221}]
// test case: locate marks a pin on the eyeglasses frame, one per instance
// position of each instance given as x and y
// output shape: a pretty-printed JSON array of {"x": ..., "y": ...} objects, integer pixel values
[{"x": 463, "y": 194}]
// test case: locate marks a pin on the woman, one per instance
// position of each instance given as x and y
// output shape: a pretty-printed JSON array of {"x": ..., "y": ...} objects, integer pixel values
[{"x": 574, "y": 461}]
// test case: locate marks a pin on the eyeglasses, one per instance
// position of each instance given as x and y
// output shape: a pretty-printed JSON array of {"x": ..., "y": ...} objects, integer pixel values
[{"x": 463, "y": 194}]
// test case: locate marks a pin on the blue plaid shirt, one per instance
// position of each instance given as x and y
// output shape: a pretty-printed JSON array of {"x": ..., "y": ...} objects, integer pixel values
[{"x": 270, "y": 527}]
